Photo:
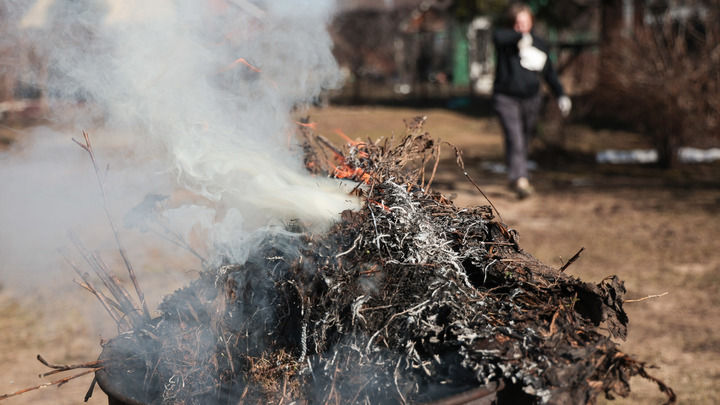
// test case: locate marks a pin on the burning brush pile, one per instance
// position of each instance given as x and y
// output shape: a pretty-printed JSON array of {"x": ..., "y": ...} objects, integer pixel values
[{"x": 408, "y": 300}]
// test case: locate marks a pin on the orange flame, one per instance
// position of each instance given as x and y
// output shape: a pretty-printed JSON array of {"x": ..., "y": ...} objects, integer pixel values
[
  {"x": 357, "y": 144},
  {"x": 251, "y": 67},
  {"x": 311, "y": 125},
  {"x": 345, "y": 171},
  {"x": 237, "y": 62},
  {"x": 347, "y": 138}
]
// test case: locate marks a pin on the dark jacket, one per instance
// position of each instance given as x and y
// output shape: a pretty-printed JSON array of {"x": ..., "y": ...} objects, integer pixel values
[{"x": 510, "y": 77}]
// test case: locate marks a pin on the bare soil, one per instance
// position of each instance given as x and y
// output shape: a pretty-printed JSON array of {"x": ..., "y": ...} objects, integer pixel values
[{"x": 657, "y": 230}]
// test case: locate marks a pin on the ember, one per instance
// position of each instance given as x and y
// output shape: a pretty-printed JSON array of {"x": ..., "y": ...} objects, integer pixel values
[{"x": 408, "y": 300}]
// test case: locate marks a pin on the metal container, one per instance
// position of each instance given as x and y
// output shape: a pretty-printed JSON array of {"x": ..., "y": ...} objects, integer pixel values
[
  {"x": 125, "y": 387},
  {"x": 115, "y": 397},
  {"x": 122, "y": 388}
]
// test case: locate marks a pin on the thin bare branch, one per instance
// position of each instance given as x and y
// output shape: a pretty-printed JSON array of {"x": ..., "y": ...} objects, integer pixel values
[
  {"x": 50, "y": 384},
  {"x": 648, "y": 297},
  {"x": 88, "y": 147},
  {"x": 572, "y": 259}
]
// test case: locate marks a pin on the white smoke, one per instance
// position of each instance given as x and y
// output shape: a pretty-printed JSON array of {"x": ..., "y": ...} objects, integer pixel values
[
  {"x": 48, "y": 188},
  {"x": 202, "y": 91},
  {"x": 194, "y": 94}
]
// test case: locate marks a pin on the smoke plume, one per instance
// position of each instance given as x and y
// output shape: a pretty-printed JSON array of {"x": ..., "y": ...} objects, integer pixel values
[{"x": 193, "y": 94}]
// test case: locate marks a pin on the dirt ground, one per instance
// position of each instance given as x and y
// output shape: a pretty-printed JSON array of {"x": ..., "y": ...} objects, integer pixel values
[{"x": 657, "y": 230}]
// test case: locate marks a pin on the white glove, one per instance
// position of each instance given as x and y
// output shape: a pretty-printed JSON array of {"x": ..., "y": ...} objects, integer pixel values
[
  {"x": 525, "y": 41},
  {"x": 532, "y": 58},
  {"x": 565, "y": 105}
]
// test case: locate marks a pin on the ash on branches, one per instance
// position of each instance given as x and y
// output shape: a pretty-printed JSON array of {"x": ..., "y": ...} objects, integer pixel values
[{"x": 407, "y": 300}]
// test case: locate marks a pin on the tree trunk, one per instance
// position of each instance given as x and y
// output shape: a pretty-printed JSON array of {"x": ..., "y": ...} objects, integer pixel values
[
  {"x": 611, "y": 20},
  {"x": 667, "y": 144},
  {"x": 638, "y": 13},
  {"x": 669, "y": 138}
]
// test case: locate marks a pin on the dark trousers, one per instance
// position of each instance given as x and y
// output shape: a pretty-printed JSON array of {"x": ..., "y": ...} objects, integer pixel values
[{"x": 518, "y": 117}]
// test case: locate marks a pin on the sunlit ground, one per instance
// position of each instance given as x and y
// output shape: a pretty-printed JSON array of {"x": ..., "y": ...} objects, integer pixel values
[{"x": 657, "y": 230}]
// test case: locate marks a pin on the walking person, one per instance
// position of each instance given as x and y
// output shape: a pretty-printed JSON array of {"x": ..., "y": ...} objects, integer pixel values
[{"x": 522, "y": 60}]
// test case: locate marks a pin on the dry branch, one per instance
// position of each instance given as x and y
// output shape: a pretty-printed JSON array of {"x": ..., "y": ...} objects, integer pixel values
[
  {"x": 50, "y": 384},
  {"x": 59, "y": 368},
  {"x": 408, "y": 300},
  {"x": 88, "y": 148}
]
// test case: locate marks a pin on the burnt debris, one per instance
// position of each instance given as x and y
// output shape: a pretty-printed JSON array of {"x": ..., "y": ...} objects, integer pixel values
[{"x": 408, "y": 300}]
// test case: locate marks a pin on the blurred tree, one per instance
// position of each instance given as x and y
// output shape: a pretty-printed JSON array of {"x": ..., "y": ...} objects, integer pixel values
[
  {"x": 662, "y": 75},
  {"x": 611, "y": 20},
  {"x": 561, "y": 14},
  {"x": 363, "y": 43},
  {"x": 466, "y": 10},
  {"x": 7, "y": 67}
]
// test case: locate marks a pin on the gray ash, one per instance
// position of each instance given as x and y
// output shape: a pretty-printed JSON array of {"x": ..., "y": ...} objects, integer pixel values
[{"x": 408, "y": 300}]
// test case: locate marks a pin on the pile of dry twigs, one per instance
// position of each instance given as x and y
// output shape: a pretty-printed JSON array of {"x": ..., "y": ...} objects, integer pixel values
[{"x": 408, "y": 300}]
